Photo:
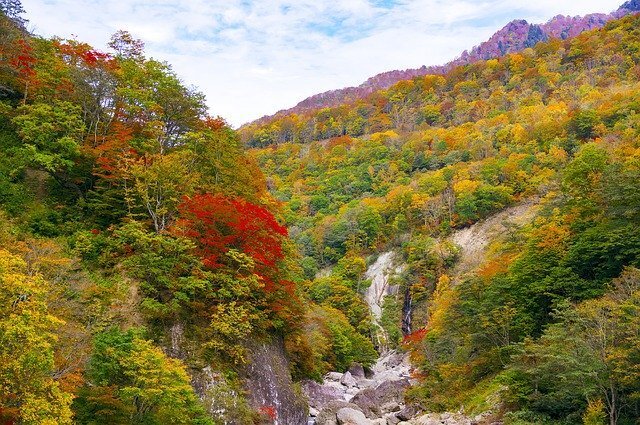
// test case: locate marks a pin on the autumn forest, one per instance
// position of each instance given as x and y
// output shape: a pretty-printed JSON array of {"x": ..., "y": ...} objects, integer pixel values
[{"x": 158, "y": 266}]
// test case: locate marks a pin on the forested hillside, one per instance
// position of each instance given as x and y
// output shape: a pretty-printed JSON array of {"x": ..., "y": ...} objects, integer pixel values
[
  {"x": 546, "y": 329},
  {"x": 141, "y": 257},
  {"x": 155, "y": 271}
]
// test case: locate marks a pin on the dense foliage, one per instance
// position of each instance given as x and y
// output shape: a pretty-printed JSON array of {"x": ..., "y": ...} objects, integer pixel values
[
  {"x": 142, "y": 248},
  {"x": 131, "y": 220},
  {"x": 553, "y": 129}
]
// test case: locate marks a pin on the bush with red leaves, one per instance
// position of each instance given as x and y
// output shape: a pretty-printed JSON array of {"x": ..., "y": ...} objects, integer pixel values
[{"x": 218, "y": 223}]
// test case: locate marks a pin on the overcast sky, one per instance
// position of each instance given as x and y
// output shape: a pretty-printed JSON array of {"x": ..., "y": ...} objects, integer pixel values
[{"x": 252, "y": 58}]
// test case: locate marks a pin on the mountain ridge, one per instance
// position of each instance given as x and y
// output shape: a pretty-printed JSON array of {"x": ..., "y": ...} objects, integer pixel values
[{"x": 515, "y": 36}]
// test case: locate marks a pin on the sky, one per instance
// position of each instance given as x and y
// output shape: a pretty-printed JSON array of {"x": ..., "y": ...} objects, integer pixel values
[{"x": 254, "y": 57}]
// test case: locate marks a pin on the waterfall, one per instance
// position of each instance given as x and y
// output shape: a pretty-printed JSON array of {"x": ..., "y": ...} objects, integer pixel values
[{"x": 407, "y": 307}]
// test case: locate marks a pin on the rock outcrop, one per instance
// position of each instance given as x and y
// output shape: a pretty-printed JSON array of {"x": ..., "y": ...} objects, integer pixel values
[
  {"x": 269, "y": 385},
  {"x": 379, "y": 273}
]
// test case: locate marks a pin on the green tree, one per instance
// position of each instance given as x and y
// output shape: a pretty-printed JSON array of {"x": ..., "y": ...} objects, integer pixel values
[
  {"x": 137, "y": 382},
  {"x": 584, "y": 122},
  {"x": 51, "y": 134},
  {"x": 590, "y": 353}
]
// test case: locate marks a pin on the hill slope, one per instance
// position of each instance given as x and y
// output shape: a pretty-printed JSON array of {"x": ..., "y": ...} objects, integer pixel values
[
  {"x": 144, "y": 276},
  {"x": 509, "y": 324},
  {"x": 514, "y": 37}
]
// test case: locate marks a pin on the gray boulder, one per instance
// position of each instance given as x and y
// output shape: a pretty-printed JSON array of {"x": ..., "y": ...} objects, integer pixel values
[
  {"x": 348, "y": 380},
  {"x": 329, "y": 414},
  {"x": 389, "y": 407},
  {"x": 333, "y": 376},
  {"x": 348, "y": 416},
  {"x": 320, "y": 395},
  {"x": 441, "y": 419},
  {"x": 408, "y": 412},
  {"x": 371, "y": 400},
  {"x": 392, "y": 419},
  {"x": 357, "y": 370}
]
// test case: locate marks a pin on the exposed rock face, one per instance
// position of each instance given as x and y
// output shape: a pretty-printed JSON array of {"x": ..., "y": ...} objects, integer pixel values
[
  {"x": 269, "y": 384},
  {"x": 379, "y": 274},
  {"x": 474, "y": 240},
  {"x": 536, "y": 35},
  {"x": 176, "y": 334},
  {"x": 632, "y": 6}
]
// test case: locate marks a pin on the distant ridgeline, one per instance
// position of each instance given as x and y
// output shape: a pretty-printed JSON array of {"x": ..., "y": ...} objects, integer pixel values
[
  {"x": 540, "y": 148},
  {"x": 514, "y": 37}
]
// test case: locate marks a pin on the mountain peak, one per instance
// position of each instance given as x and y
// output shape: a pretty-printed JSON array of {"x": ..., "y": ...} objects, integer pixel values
[
  {"x": 515, "y": 36},
  {"x": 631, "y": 5}
]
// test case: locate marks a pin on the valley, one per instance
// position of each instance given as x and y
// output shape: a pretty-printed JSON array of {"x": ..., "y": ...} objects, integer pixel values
[{"x": 449, "y": 245}]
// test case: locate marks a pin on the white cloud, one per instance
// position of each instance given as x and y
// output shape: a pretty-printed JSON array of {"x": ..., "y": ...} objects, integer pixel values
[{"x": 252, "y": 58}]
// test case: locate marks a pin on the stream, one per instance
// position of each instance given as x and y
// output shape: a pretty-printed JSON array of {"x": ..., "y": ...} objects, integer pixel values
[{"x": 371, "y": 396}]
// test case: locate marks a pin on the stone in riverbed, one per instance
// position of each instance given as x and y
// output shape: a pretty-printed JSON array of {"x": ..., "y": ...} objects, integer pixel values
[
  {"x": 391, "y": 360},
  {"x": 441, "y": 418},
  {"x": 408, "y": 412},
  {"x": 356, "y": 370},
  {"x": 333, "y": 376},
  {"x": 320, "y": 395},
  {"x": 348, "y": 416},
  {"x": 391, "y": 406},
  {"x": 392, "y": 419},
  {"x": 368, "y": 383},
  {"x": 348, "y": 380},
  {"x": 328, "y": 415},
  {"x": 371, "y": 400}
]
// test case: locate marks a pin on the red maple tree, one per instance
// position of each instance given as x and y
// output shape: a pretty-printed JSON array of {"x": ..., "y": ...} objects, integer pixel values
[{"x": 218, "y": 223}]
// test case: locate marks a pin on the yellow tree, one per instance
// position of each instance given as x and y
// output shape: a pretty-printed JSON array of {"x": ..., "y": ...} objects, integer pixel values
[{"x": 28, "y": 393}]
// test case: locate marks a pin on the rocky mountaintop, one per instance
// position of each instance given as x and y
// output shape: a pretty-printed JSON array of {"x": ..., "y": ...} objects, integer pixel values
[{"x": 632, "y": 5}]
